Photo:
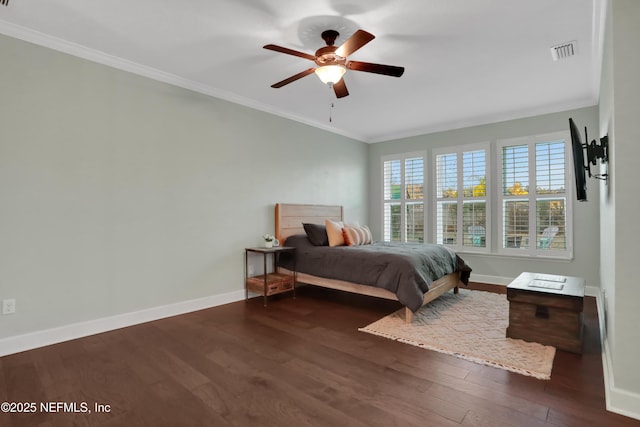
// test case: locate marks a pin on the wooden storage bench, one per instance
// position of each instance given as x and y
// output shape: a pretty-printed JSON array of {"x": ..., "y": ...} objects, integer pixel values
[{"x": 547, "y": 309}]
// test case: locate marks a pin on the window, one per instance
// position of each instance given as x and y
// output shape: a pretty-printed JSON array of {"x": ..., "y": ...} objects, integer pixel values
[
  {"x": 508, "y": 197},
  {"x": 461, "y": 197},
  {"x": 403, "y": 198},
  {"x": 533, "y": 199}
]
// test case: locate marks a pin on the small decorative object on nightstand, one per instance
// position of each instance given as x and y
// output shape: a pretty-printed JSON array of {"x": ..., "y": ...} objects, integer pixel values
[
  {"x": 269, "y": 283},
  {"x": 268, "y": 240}
]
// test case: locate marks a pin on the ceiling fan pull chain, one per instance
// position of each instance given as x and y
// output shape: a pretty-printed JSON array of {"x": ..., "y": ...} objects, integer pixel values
[{"x": 331, "y": 113}]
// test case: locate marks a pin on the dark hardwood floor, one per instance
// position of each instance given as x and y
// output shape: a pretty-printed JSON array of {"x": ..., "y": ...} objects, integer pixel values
[{"x": 296, "y": 362}]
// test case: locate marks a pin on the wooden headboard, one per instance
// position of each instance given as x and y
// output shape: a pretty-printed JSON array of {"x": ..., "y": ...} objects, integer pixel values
[{"x": 289, "y": 217}]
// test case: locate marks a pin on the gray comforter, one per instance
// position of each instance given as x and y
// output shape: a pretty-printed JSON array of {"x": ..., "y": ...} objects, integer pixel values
[{"x": 405, "y": 269}]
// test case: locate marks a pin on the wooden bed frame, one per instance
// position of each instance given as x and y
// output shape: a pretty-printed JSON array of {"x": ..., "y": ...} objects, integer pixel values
[{"x": 289, "y": 219}]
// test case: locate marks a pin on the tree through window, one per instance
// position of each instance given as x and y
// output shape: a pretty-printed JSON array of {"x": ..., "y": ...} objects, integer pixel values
[{"x": 461, "y": 197}]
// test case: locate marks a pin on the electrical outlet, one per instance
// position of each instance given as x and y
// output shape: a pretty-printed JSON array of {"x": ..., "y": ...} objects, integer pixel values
[
  {"x": 8, "y": 306},
  {"x": 251, "y": 270}
]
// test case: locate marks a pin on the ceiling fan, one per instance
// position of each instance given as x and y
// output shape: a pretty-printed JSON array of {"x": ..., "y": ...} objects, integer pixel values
[{"x": 332, "y": 61}]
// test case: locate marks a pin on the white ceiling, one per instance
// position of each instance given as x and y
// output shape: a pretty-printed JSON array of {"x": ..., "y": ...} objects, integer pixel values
[{"x": 467, "y": 62}]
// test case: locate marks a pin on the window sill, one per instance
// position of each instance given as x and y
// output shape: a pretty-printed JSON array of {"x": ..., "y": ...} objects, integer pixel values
[{"x": 510, "y": 255}]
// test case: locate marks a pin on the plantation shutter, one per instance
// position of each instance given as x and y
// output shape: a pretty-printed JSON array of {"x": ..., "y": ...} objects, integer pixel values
[
  {"x": 551, "y": 198},
  {"x": 447, "y": 199},
  {"x": 392, "y": 200},
  {"x": 474, "y": 218},
  {"x": 515, "y": 191},
  {"x": 414, "y": 190},
  {"x": 403, "y": 194},
  {"x": 533, "y": 195}
]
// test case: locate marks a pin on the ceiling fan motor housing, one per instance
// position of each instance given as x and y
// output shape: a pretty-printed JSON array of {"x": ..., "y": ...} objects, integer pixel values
[{"x": 326, "y": 54}]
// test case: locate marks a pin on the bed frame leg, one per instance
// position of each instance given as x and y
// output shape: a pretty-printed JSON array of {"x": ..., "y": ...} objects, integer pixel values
[
  {"x": 455, "y": 290},
  {"x": 408, "y": 315}
]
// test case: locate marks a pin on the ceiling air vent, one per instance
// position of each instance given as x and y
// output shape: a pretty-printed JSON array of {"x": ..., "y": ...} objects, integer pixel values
[
  {"x": 564, "y": 50},
  {"x": 4, "y": 2}
]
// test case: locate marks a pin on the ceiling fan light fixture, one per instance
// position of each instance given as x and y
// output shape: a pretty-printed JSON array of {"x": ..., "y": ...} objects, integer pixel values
[{"x": 331, "y": 74}]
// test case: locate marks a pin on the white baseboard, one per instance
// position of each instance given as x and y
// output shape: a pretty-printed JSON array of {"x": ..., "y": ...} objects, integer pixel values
[
  {"x": 620, "y": 401},
  {"x": 491, "y": 280},
  {"x": 46, "y": 337},
  {"x": 60, "y": 334},
  {"x": 617, "y": 400}
]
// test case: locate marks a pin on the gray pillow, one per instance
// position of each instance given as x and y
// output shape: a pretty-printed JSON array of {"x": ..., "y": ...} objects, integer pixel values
[{"x": 317, "y": 234}]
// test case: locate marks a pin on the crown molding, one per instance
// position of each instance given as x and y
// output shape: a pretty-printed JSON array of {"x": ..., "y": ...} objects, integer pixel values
[{"x": 99, "y": 57}]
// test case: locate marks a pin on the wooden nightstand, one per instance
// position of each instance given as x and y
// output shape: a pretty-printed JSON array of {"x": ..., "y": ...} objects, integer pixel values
[{"x": 269, "y": 283}]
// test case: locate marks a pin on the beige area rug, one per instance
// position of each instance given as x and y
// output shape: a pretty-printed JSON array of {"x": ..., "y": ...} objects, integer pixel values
[{"x": 470, "y": 325}]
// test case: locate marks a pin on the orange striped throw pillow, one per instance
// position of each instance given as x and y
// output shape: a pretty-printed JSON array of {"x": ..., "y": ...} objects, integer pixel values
[{"x": 354, "y": 236}]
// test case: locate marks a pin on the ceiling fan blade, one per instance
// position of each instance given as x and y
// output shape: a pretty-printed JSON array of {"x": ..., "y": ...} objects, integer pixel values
[
  {"x": 355, "y": 42},
  {"x": 289, "y": 51},
  {"x": 293, "y": 78},
  {"x": 340, "y": 89},
  {"x": 387, "y": 70}
]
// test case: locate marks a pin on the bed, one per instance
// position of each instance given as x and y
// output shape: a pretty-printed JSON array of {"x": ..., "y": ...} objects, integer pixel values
[{"x": 289, "y": 219}]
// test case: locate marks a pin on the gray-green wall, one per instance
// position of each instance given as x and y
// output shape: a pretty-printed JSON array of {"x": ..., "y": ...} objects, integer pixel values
[
  {"x": 620, "y": 228},
  {"x": 119, "y": 193}
]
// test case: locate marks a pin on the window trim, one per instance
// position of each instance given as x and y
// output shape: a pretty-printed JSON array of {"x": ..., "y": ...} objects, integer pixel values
[
  {"x": 402, "y": 157},
  {"x": 459, "y": 150},
  {"x": 531, "y": 141}
]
